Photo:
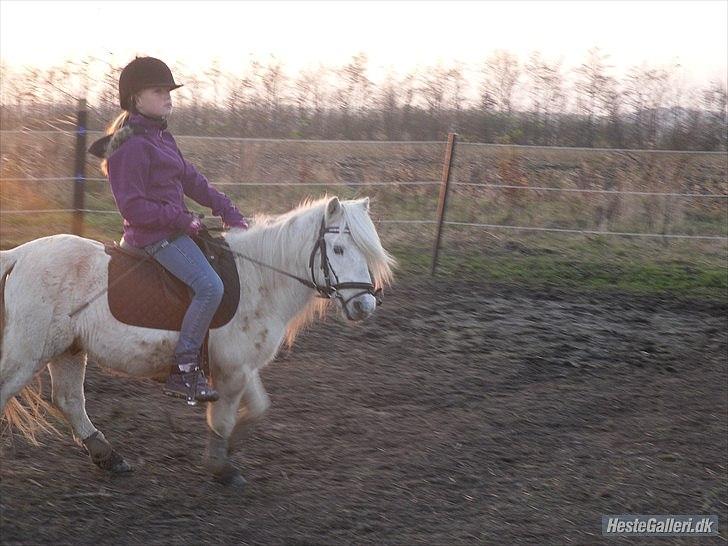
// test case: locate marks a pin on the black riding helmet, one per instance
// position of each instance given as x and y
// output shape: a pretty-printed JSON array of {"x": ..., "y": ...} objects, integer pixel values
[{"x": 141, "y": 73}]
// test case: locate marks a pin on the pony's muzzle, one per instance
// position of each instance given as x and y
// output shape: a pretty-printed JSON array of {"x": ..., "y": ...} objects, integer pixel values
[{"x": 360, "y": 307}]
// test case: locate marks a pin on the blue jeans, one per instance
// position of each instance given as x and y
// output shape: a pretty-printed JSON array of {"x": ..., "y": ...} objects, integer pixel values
[{"x": 184, "y": 259}]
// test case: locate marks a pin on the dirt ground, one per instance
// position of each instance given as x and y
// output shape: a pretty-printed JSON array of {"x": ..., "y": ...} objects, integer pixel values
[{"x": 461, "y": 413}]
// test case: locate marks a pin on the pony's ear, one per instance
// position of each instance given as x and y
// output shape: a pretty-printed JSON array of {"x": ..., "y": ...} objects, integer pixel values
[
  {"x": 365, "y": 203},
  {"x": 333, "y": 207}
]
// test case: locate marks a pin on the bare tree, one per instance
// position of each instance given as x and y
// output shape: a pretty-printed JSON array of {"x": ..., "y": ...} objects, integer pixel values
[
  {"x": 502, "y": 72},
  {"x": 273, "y": 80},
  {"x": 408, "y": 92},
  {"x": 548, "y": 97},
  {"x": 354, "y": 94},
  {"x": 234, "y": 103},
  {"x": 263, "y": 91},
  {"x": 311, "y": 96},
  {"x": 394, "y": 101},
  {"x": 442, "y": 91},
  {"x": 594, "y": 90},
  {"x": 648, "y": 108},
  {"x": 646, "y": 91},
  {"x": 388, "y": 101},
  {"x": 214, "y": 79},
  {"x": 715, "y": 104},
  {"x": 109, "y": 86}
]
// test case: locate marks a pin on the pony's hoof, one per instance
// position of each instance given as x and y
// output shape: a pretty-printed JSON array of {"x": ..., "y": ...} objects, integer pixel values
[
  {"x": 232, "y": 479},
  {"x": 121, "y": 467},
  {"x": 237, "y": 482},
  {"x": 116, "y": 464},
  {"x": 103, "y": 456}
]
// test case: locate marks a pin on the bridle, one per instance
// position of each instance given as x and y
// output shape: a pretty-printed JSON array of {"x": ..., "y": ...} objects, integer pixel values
[{"x": 331, "y": 290}]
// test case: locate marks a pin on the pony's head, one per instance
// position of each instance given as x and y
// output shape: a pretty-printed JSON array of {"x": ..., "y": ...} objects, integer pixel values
[
  {"x": 351, "y": 255},
  {"x": 292, "y": 242}
]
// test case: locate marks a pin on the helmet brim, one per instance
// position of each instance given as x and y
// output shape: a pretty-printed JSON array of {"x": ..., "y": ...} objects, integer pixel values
[{"x": 170, "y": 87}]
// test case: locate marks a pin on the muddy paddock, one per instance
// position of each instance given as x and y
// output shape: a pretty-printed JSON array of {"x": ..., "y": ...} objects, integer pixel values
[{"x": 461, "y": 413}]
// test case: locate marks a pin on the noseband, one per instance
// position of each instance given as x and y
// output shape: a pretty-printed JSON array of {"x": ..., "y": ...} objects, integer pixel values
[{"x": 331, "y": 290}]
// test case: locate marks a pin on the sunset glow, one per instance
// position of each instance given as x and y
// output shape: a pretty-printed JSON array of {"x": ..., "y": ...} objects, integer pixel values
[{"x": 398, "y": 37}]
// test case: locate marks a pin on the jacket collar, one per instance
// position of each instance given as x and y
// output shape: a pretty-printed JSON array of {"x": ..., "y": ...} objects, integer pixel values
[
  {"x": 135, "y": 125},
  {"x": 150, "y": 123}
]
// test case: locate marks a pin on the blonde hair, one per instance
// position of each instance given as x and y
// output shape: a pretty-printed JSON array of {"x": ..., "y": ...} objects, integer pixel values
[{"x": 114, "y": 126}]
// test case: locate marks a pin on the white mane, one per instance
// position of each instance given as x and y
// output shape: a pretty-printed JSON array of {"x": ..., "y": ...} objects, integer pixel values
[{"x": 367, "y": 239}]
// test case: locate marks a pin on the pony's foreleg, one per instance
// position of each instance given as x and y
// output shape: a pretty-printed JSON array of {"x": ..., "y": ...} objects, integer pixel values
[
  {"x": 67, "y": 376},
  {"x": 255, "y": 403},
  {"x": 220, "y": 422},
  {"x": 227, "y": 425}
]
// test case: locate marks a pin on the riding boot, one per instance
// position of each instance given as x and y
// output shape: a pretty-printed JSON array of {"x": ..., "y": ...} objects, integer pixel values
[{"x": 192, "y": 386}]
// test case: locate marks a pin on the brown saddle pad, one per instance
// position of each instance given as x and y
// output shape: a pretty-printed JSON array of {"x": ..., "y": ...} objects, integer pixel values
[{"x": 143, "y": 293}]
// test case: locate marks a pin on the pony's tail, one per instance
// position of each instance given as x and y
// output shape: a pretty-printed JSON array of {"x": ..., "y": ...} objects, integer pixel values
[{"x": 26, "y": 412}]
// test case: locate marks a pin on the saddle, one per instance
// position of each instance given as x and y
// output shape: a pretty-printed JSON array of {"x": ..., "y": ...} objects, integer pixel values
[{"x": 143, "y": 293}]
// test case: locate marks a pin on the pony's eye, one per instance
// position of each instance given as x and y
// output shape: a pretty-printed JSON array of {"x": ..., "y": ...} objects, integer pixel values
[{"x": 338, "y": 250}]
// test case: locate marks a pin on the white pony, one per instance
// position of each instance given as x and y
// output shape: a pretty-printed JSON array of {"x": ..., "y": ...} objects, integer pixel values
[{"x": 44, "y": 280}]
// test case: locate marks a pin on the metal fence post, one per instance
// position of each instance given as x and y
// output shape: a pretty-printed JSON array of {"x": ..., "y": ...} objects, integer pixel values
[
  {"x": 79, "y": 173},
  {"x": 444, "y": 187}
]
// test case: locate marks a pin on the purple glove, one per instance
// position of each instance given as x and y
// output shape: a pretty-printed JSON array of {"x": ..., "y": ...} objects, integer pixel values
[
  {"x": 195, "y": 226},
  {"x": 239, "y": 224}
]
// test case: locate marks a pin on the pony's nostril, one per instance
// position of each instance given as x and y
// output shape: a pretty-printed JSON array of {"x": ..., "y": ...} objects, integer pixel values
[{"x": 358, "y": 307}]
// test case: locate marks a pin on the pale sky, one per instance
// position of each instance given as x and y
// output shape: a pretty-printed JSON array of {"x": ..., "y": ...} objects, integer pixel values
[{"x": 396, "y": 35}]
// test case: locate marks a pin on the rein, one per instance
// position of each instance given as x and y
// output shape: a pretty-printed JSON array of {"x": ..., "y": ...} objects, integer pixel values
[{"x": 328, "y": 291}]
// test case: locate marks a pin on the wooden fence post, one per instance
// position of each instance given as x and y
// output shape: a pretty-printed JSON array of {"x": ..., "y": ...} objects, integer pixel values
[
  {"x": 444, "y": 187},
  {"x": 79, "y": 173}
]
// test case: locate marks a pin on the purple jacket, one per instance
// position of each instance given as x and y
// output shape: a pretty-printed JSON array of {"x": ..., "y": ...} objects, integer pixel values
[{"x": 149, "y": 179}]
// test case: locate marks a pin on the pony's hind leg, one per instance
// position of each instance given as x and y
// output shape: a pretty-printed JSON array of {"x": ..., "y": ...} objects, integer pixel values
[
  {"x": 20, "y": 358},
  {"x": 21, "y": 404},
  {"x": 67, "y": 376},
  {"x": 13, "y": 377}
]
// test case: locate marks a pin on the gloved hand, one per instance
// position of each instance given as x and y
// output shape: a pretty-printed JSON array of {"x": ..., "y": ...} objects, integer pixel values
[
  {"x": 240, "y": 224},
  {"x": 195, "y": 227}
]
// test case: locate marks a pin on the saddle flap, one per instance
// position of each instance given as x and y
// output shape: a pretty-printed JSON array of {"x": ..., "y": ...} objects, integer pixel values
[{"x": 143, "y": 293}]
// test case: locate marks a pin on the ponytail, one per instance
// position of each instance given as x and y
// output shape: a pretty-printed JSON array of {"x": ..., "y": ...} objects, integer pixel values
[{"x": 114, "y": 126}]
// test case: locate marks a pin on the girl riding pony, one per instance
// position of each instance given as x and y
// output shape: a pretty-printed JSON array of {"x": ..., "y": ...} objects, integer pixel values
[{"x": 149, "y": 178}]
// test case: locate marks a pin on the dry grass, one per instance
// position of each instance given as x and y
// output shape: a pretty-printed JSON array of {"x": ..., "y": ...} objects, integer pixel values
[{"x": 299, "y": 163}]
